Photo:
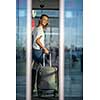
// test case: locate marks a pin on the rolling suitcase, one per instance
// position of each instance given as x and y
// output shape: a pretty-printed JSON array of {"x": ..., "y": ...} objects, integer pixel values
[{"x": 47, "y": 82}]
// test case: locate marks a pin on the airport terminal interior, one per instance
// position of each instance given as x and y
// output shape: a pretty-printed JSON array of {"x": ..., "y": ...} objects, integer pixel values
[{"x": 73, "y": 45}]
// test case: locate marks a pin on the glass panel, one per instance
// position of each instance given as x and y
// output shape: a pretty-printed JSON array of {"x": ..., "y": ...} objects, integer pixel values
[
  {"x": 20, "y": 50},
  {"x": 73, "y": 39},
  {"x": 52, "y": 43}
]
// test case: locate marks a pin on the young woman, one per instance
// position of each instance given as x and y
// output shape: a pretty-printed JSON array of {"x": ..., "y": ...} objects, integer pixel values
[{"x": 38, "y": 40}]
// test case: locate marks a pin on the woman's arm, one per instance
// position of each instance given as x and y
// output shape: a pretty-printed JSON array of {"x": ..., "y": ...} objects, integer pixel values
[{"x": 41, "y": 45}]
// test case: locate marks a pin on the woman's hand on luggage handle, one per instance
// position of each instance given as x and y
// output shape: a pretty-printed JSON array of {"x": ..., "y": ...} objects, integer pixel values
[{"x": 46, "y": 51}]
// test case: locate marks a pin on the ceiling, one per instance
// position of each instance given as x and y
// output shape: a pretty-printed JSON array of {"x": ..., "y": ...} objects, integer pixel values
[{"x": 48, "y": 4}]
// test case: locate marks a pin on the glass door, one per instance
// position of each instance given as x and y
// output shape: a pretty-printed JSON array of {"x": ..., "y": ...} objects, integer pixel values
[{"x": 50, "y": 89}]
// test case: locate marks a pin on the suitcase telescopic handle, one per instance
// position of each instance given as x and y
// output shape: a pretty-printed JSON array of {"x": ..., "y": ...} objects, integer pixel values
[{"x": 49, "y": 59}]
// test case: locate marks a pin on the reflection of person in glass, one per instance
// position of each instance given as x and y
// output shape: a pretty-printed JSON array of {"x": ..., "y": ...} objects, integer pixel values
[{"x": 38, "y": 40}]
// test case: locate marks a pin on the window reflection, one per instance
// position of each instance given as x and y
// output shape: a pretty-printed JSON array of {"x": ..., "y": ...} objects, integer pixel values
[
  {"x": 73, "y": 41},
  {"x": 21, "y": 49}
]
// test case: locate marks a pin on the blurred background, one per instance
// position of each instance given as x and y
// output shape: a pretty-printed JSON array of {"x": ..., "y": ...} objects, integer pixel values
[{"x": 73, "y": 43}]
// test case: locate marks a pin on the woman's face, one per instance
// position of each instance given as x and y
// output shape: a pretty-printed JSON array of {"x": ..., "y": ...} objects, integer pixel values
[{"x": 44, "y": 21}]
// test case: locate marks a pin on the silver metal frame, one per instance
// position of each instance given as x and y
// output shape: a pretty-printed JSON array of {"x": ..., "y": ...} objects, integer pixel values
[
  {"x": 29, "y": 52},
  {"x": 61, "y": 53}
]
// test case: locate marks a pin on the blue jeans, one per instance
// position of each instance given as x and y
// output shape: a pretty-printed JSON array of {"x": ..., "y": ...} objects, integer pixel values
[{"x": 37, "y": 55}]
